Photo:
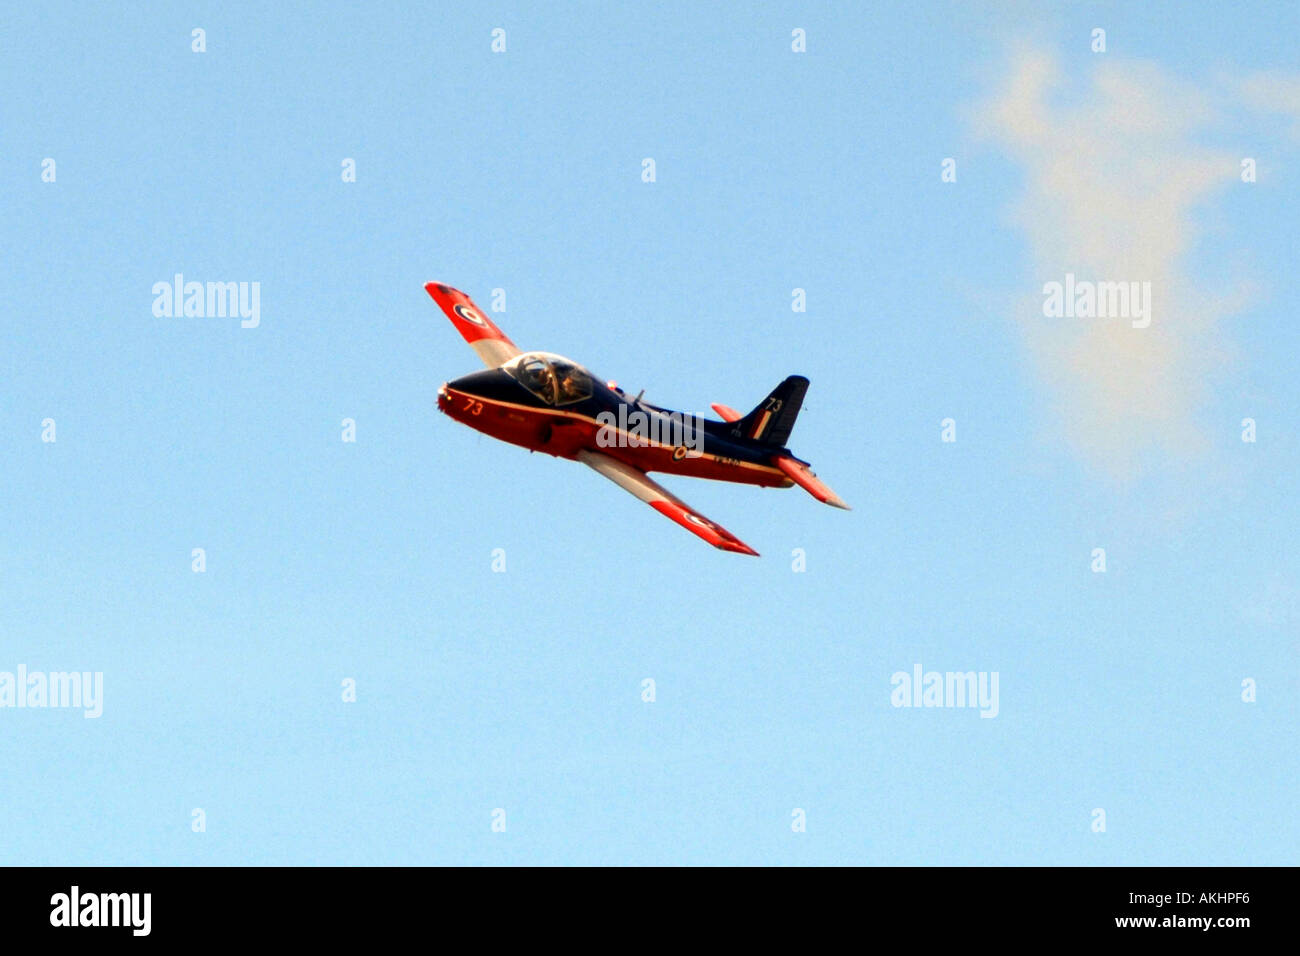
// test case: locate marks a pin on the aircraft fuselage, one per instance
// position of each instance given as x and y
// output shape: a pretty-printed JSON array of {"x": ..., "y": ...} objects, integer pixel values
[{"x": 494, "y": 403}]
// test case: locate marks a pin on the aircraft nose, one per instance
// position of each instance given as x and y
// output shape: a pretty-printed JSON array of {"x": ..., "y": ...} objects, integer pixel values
[
  {"x": 471, "y": 384},
  {"x": 489, "y": 383}
]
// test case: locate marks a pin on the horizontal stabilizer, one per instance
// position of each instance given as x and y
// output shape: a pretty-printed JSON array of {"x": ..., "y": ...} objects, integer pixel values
[
  {"x": 795, "y": 470},
  {"x": 803, "y": 476}
]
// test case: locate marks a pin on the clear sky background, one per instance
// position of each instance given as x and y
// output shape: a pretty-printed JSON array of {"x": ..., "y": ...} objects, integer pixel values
[{"x": 522, "y": 690}]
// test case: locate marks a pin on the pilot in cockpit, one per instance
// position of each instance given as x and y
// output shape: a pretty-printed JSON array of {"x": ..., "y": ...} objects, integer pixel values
[{"x": 572, "y": 386}]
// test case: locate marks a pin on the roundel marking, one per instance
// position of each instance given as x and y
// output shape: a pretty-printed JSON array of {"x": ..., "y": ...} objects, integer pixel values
[
  {"x": 470, "y": 315},
  {"x": 679, "y": 453}
]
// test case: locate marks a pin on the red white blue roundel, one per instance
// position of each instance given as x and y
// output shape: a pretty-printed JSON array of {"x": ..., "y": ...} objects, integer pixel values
[{"x": 470, "y": 315}]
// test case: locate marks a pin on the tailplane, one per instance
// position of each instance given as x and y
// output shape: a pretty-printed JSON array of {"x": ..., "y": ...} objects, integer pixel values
[
  {"x": 803, "y": 476},
  {"x": 773, "y": 420}
]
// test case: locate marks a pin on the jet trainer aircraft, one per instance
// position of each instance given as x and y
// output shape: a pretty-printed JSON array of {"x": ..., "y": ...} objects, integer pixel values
[{"x": 545, "y": 402}]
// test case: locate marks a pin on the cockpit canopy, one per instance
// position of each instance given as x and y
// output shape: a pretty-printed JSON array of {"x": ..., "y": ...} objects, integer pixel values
[{"x": 552, "y": 378}]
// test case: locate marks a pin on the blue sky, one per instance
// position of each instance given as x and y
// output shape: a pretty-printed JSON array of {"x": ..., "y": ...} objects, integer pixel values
[{"x": 522, "y": 690}]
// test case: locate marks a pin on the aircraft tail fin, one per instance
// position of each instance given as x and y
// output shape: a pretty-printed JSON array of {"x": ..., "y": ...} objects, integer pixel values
[
  {"x": 770, "y": 423},
  {"x": 796, "y": 470}
]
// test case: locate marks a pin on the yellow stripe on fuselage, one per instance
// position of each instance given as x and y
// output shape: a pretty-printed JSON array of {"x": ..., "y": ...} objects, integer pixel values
[{"x": 640, "y": 441}]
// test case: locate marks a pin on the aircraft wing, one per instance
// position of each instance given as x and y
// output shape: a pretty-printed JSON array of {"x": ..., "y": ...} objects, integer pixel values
[
  {"x": 491, "y": 344},
  {"x": 664, "y": 501}
]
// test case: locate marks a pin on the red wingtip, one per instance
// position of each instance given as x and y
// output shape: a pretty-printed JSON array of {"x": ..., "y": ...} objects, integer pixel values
[{"x": 697, "y": 524}]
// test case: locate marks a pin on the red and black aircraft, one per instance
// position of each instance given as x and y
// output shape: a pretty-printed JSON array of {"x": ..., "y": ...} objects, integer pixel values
[{"x": 545, "y": 402}]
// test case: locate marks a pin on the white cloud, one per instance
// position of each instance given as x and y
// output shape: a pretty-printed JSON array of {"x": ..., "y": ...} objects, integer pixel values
[
  {"x": 1272, "y": 92},
  {"x": 1115, "y": 175}
]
